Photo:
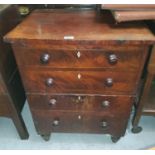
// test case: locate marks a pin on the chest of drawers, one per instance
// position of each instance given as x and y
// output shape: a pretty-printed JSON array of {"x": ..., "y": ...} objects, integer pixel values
[{"x": 80, "y": 71}]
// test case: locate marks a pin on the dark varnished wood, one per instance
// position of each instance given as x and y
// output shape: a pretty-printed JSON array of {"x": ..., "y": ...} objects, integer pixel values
[
  {"x": 127, "y": 57},
  {"x": 78, "y": 102},
  {"x": 146, "y": 103},
  {"x": 35, "y": 81},
  {"x": 66, "y": 76},
  {"x": 2, "y": 86},
  {"x": 4, "y": 106},
  {"x": 89, "y": 122},
  {"x": 1, "y": 89},
  {"x": 12, "y": 95},
  {"x": 151, "y": 65},
  {"x": 82, "y": 27}
]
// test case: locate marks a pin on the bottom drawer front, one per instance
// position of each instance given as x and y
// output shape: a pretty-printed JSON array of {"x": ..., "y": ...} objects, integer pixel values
[
  {"x": 109, "y": 104},
  {"x": 47, "y": 121}
]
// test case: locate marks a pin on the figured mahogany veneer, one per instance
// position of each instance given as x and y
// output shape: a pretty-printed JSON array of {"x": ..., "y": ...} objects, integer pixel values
[
  {"x": 86, "y": 122},
  {"x": 79, "y": 81},
  {"x": 78, "y": 102},
  {"x": 80, "y": 71},
  {"x": 115, "y": 57}
]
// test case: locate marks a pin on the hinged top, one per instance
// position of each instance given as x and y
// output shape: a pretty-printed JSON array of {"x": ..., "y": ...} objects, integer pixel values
[{"x": 87, "y": 25}]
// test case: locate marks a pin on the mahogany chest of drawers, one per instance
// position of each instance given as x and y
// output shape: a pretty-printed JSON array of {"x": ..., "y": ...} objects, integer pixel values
[{"x": 80, "y": 70}]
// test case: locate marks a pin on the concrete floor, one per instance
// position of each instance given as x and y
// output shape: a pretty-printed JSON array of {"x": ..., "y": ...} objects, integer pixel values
[{"x": 9, "y": 138}]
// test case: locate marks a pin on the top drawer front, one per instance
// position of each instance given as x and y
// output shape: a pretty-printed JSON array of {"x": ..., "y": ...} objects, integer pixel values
[{"x": 120, "y": 58}]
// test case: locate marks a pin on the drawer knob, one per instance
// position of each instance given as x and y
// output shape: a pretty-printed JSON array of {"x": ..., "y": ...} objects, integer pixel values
[
  {"x": 112, "y": 59},
  {"x": 44, "y": 59},
  {"x": 49, "y": 82},
  {"x": 56, "y": 122},
  {"x": 52, "y": 102},
  {"x": 105, "y": 103},
  {"x": 109, "y": 82},
  {"x": 104, "y": 124}
]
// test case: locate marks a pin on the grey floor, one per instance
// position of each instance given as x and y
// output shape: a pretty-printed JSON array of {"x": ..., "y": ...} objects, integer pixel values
[{"x": 9, "y": 138}]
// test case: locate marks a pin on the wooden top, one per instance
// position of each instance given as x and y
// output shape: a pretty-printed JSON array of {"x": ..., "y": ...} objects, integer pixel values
[{"x": 85, "y": 25}]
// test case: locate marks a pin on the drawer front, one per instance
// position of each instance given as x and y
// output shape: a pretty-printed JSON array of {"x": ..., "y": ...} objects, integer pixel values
[
  {"x": 107, "y": 104},
  {"x": 121, "y": 58},
  {"x": 78, "y": 81},
  {"x": 82, "y": 122}
]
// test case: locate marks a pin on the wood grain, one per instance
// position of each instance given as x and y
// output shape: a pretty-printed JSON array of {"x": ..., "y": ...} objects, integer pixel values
[
  {"x": 78, "y": 84},
  {"x": 128, "y": 57},
  {"x": 81, "y": 102},
  {"x": 69, "y": 122},
  {"x": 68, "y": 81},
  {"x": 54, "y": 25},
  {"x": 134, "y": 15}
]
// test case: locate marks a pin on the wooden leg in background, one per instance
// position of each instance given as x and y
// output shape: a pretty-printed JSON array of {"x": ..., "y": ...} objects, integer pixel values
[
  {"x": 139, "y": 110},
  {"x": 20, "y": 126}
]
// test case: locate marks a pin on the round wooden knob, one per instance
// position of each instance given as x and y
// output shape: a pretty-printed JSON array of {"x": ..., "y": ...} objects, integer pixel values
[
  {"x": 112, "y": 59},
  {"x": 105, "y": 104},
  {"x": 109, "y": 82},
  {"x": 44, "y": 59},
  {"x": 52, "y": 102},
  {"x": 56, "y": 122},
  {"x": 49, "y": 82},
  {"x": 104, "y": 124}
]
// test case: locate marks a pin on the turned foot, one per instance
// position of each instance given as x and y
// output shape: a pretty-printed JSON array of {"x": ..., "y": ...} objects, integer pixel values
[
  {"x": 115, "y": 139},
  {"x": 46, "y": 137},
  {"x": 136, "y": 129}
]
